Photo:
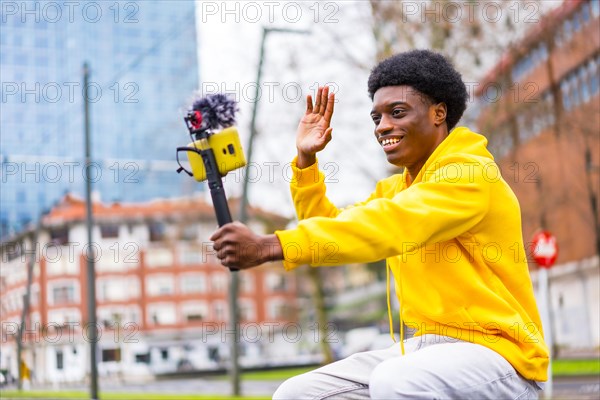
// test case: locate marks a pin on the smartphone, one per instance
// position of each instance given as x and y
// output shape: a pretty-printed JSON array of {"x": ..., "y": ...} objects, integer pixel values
[{"x": 227, "y": 149}]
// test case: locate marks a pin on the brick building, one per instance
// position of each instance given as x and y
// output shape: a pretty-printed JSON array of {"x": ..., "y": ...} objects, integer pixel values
[
  {"x": 161, "y": 294},
  {"x": 540, "y": 109}
]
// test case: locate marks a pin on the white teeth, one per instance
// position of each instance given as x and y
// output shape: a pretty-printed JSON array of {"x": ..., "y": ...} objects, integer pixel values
[{"x": 389, "y": 141}]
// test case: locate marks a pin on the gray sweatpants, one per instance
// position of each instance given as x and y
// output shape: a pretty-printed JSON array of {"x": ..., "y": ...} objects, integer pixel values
[{"x": 434, "y": 367}]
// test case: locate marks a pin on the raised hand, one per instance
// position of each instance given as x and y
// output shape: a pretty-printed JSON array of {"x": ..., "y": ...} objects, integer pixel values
[{"x": 314, "y": 131}]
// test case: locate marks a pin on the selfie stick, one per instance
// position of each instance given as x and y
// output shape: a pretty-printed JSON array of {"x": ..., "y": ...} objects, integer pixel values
[{"x": 207, "y": 115}]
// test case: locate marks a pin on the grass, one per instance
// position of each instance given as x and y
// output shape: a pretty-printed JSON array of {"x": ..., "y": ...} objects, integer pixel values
[
  {"x": 269, "y": 375},
  {"x": 565, "y": 367},
  {"x": 275, "y": 374},
  {"x": 278, "y": 374},
  {"x": 13, "y": 394}
]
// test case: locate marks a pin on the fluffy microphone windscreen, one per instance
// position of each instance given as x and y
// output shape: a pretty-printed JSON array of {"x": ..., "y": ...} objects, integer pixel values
[{"x": 218, "y": 111}]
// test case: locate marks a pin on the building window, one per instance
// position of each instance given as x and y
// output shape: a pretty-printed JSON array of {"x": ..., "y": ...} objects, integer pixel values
[
  {"x": 24, "y": 218},
  {"x": 111, "y": 355},
  {"x": 59, "y": 359},
  {"x": 585, "y": 13},
  {"x": 162, "y": 314},
  {"x": 159, "y": 257},
  {"x": 63, "y": 294},
  {"x": 567, "y": 31},
  {"x": 109, "y": 231},
  {"x": 247, "y": 310},
  {"x": 218, "y": 283},
  {"x": 21, "y": 196},
  {"x": 190, "y": 256},
  {"x": 41, "y": 41},
  {"x": 117, "y": 289},
  {"x": 213, "y": 354},
  {"x": 195, "y": 283},
  {"x": 143, "y": 358},
  {"x": 159, "y": 285},
  {"x": 64, "y": 316},
  {"x": 189, "y": 232},
  {"x": 278, "y": 309},
  {"x": 220, "y": 313},
  {"x": 164, "y": 354},
  {"x": 194, "y": 311},
  {"x": 194, "y": 317},
  {"x": 157, "y": 231},
  {"x": 584, "y": 83},
  {"x": 276, "y": 282},
  {"x": 59, "y": 236},
  {"x": 247, "y": 284},
  {"x": 576, "y": 23},
  {"x": 594, "y": 77},
  {"x": 566, "y": 95},
  {"x": 596, "y": 7}
]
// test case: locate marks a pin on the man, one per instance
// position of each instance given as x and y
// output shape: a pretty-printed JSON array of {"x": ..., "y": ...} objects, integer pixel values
[{"x": 450, "y": 229}]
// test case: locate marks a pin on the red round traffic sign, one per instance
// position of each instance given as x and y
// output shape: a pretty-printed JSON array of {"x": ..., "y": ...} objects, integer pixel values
[{"x": 544, "y": 249}]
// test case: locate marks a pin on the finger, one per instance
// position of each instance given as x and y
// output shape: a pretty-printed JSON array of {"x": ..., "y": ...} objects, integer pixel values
[
  {"x": 329, "y": 110},
  {"x": 326, "y": 138},
  {"x": 225, "y": 252},
  {"x": 216, "y": 235},
  {"x": 318, "y": 100},
  {"x": 323, "y": 102},
  {"x": 309, "y": 104},
  {"x": 230, "y": 262}
]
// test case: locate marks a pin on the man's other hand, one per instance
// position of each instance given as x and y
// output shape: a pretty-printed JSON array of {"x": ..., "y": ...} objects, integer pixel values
[{"x": 238, "y": 247}]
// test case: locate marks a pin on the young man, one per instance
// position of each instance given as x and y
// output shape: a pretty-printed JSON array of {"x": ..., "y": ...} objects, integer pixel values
[{"x": 450, "y": 229}]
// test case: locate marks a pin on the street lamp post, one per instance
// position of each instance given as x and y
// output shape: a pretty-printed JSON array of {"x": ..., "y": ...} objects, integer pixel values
[
  {"x": 243, "y": 212},
  {"x": 91, "y": 274}
]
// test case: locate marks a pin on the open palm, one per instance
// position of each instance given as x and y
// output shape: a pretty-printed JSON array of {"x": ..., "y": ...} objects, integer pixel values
[{"x": 314, "y": 131}]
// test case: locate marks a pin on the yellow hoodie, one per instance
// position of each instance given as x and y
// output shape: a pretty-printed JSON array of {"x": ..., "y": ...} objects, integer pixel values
[{"x": 452, "y": 239}]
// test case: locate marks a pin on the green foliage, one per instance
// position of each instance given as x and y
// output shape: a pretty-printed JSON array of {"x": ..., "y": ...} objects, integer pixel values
[{"x": 567, "y": 367}]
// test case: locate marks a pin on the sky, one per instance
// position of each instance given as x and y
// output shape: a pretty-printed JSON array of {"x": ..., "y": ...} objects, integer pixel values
[
  {"x": 295, "y": 64},
  {"x": 339, "y": 51}
]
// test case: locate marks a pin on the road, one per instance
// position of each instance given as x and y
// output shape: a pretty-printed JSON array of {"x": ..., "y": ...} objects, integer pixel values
[{"x": 572, "y": 388}]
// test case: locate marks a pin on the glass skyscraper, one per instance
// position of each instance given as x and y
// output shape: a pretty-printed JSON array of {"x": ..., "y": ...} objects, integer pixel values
[{"x": 142, "y": 57}]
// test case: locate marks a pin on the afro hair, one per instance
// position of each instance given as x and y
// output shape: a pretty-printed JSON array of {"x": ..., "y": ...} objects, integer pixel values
[{"x": 427, "y": 72}]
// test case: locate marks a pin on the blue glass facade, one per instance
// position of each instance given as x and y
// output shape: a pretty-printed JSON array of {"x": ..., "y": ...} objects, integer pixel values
[{"x": 143, "y": 61}]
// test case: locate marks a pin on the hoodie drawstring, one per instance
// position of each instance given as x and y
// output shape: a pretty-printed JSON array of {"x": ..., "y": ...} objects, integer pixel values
[{"x": 389, "y": 308}]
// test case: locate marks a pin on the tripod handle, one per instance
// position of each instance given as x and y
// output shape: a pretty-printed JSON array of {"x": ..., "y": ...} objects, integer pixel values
[{"x": 217, "y": 191}]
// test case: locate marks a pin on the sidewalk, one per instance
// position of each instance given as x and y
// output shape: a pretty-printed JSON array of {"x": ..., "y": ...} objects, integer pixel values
[{"x": 564, "y": 388}]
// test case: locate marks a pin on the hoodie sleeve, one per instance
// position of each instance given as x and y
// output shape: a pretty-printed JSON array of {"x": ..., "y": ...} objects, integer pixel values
[
  {"x": 451, "y": 199},
  {"x": 309, "y": 193}
]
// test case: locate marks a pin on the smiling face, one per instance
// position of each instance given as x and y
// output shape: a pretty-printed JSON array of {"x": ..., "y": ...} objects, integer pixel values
[{"x": 408, "y": 126}]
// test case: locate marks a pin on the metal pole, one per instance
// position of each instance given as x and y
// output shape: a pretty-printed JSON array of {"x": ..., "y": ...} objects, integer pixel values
[
  {"x": 26, "y": 298},
  {"x": 243, "y": 217},
  {"x": 243, "y": 212},
  {"x": 546, "y": 324},
  {"x": 91, "y": 274}
]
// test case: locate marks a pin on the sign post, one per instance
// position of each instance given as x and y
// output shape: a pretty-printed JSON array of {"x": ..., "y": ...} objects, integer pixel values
[{"x": 545, "y": 251}]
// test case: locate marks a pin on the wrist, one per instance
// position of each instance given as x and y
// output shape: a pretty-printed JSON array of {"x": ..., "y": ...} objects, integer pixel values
[
  {"x": 305, "y": 160},
  {"x": 271, "y": 248}
]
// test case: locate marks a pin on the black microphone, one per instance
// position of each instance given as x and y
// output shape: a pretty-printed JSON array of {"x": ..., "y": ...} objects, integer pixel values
[
  {"x": 216, "y": 149},
  {"x": 217, "y": 111}
]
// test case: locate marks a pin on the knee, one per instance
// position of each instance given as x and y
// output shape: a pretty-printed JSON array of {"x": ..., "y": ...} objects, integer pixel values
[
  {"x": 380, "y": 382},
  {"x": 294, "y": 388},
  {"x": 393, "y": 380}
]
